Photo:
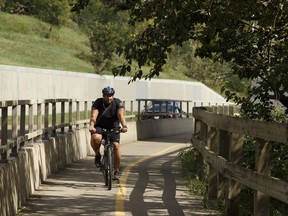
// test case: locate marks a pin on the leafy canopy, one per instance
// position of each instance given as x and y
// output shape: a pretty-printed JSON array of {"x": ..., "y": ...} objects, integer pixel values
[
  {"x": 53, "y": 12},
  {"x": 251, "y": 35},
  {"x": 107, "y": 29}
]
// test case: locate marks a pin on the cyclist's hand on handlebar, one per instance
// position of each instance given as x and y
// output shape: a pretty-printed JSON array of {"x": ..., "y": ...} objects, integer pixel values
[
  {"x": 92, "y": 129},
  {"x": 124, "y": 129}
]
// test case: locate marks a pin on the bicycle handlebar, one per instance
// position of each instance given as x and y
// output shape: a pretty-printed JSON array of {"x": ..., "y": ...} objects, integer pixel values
[{"x": 108, "y": 132}]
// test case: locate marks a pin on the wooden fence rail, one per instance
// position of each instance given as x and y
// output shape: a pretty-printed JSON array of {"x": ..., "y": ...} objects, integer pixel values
[
  {"x": 25, "y": 124},
  {"x": 219, "y": 140},
  {"x": 23, "y": 121}
]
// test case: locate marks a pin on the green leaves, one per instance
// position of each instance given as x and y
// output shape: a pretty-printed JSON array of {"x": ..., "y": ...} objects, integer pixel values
[
  {"x": 108, "y": 31},
  {"x": 53, "y": 12},
  {"x": 248, "y": 34}
]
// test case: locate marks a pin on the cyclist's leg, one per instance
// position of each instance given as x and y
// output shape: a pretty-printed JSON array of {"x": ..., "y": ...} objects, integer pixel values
[
  {"x": 96, "y": 140},
  {"x": 95, "y": 144},
  {"x": 115, "y": 140},
  {"x": 117, "y": 155},
  {"x": 117, "y": 159}
]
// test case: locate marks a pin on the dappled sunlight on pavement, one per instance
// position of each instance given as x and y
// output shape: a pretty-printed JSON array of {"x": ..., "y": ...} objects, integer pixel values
[{"x": 151, "y": 184}]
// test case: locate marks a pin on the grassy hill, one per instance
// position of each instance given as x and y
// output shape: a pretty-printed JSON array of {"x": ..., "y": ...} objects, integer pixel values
[
  {"x": 29, "y": 42},
  {"x": 26, "y": 41}
]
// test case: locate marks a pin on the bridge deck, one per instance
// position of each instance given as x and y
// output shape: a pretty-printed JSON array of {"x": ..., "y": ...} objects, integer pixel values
[{"x": 151, "y": 184}]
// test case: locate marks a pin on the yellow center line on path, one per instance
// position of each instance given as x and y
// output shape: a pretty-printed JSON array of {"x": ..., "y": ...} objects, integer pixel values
[{"x": 121, "y": 195}]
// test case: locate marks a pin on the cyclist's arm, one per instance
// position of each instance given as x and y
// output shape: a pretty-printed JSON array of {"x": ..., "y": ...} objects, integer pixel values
[
  {"x": 121, "y": 117},
  {"x": 94, "y": 114}
]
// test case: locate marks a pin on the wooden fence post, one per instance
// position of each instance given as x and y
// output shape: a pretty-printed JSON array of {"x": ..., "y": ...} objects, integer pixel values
[
  {"x": 46, "y": 118},
  {"x": 54, "y": 115},
  {"x": 39, "y": 119},
  {"x": 224, "y": 145},
  {"x": 70, "y": 115},
  {"x": 62, "y": 115},
  {"x": 213, "y": 145},
  {"x": 262, "y": 165},
  {"x": 85, "y": 113},
  {"x": 235, "y": 155},
  {"x": 77, "y": 114},
  {"x": 4, "y": 132},
  {"x": 30, "y": 120},
  {"x": 22, "y": 122},
  {"x": 200, "y": 131},
  {"x": 14, "y": 152}
]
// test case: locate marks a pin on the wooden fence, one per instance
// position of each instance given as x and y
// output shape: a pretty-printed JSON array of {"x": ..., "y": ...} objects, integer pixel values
[
  {"x": 23, "y": 121},
  {"x": 218, "y": 137}
]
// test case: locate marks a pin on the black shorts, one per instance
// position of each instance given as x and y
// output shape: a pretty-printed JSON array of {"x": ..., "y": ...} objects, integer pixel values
[{"x": 114, "y": 137}]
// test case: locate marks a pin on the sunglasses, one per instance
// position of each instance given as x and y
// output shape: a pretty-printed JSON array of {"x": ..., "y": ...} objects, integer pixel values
[{"x": 108, "y": 95}]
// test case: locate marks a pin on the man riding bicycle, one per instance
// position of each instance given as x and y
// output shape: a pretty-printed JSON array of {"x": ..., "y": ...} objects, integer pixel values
[{"x": 107, "y": 113}]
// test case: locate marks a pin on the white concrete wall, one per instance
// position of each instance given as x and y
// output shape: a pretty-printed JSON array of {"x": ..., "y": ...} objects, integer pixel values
[
  {"x": 164, "y": 127},
  {"x": 20, "y": 83}
]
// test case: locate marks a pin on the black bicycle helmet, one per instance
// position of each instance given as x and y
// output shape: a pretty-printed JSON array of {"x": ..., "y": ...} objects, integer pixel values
[{"x": 108, "y": 90}]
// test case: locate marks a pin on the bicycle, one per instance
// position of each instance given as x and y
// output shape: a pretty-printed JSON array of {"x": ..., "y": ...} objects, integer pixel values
[{"x": 108, "y": 157}]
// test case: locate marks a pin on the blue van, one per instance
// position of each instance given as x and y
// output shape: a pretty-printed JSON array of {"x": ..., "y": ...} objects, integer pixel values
[{"x": 158, "y": 109}]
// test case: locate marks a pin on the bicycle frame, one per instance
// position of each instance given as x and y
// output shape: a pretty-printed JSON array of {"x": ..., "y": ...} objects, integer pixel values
[
  {"x": 107, "y": 163},
  {"x": 108, "y": 158}
]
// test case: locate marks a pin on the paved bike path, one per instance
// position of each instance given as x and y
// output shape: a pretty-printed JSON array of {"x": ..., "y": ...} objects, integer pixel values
[{"x": 151, "y": 184}]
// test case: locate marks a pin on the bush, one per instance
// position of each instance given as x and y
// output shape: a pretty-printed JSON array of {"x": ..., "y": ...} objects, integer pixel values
[
  {"x": 195, "y": 178},
  {"x": 53, "y": 12}
]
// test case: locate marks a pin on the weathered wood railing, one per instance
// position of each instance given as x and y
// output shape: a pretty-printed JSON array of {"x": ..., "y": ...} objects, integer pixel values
[
  {"x": 219, "y": 139},
  {"x": 23, "y": 121}
]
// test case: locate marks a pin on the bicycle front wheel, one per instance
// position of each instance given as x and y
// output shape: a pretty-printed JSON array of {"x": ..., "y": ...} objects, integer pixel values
[{"x": 109, "y": 167}]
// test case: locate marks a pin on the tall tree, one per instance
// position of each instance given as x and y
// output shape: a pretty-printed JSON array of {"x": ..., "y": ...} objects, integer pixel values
[
  {"x": 107, "y": 29},
  {"x": 251, "y": 35},
  {"x": 79, "y": 5},
  {"x": 53, "y": 12}
]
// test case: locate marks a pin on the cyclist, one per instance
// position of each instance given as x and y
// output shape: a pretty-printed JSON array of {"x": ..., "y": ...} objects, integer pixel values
[{"x": 107, "y": 112}]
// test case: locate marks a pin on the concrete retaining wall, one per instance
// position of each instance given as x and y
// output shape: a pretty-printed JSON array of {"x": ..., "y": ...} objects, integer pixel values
[
  {"x": 163, "y": 127},
  {"x": 22, "y": 83},
  {"x": 22, "y": 175}
]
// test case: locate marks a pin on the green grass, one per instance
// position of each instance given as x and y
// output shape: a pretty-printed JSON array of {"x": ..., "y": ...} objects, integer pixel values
[
  {"x": 26, "y": 41},
  {"x": 29, "y": 42}
]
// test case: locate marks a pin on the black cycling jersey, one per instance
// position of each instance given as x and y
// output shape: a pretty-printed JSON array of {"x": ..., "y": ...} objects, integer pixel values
[{"x": 107, "y": 117}]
